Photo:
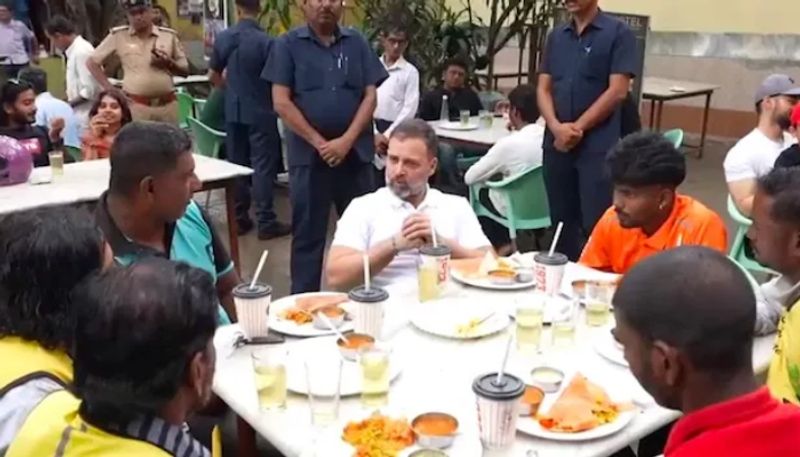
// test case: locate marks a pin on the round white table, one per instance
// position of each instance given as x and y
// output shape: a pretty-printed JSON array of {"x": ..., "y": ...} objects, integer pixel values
[{"x": 437, "y": 376}]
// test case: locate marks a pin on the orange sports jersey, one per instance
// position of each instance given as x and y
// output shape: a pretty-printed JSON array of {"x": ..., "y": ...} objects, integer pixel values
[{"x": 614, "y": 248}]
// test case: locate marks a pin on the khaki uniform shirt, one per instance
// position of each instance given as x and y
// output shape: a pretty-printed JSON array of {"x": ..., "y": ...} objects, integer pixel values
[{"x": 135, "y": 54}]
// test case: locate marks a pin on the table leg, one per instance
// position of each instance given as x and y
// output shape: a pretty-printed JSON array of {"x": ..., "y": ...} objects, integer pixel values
[
  {"x": 230, "y": 210},
  {"x": 705, "y": 126},
  {"x": 659, "y": 113},
  {"x": 652, "y": 113},
  {"x": 247, "y": 438}
]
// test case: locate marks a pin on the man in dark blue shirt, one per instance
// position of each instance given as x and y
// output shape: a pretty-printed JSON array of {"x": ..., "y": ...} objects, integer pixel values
[
  {"x": 585, "y": 76},
  {"x": 251, "y": 125},
  {"x": 324, "y": 79}
]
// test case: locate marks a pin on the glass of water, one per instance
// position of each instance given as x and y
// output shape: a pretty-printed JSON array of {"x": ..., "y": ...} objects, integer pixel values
[
  {"x": 529, "y": 319},
  {"x": 56, "y": 158},
  {"x": 324, "y": 386},
  {"x": 374, "y": 363},
  {"x": 464, "y": 116},
  {"x": 269, "y": 366},
  {"x": 598, "y": 302},
  {"x": 564, "y": 323}
]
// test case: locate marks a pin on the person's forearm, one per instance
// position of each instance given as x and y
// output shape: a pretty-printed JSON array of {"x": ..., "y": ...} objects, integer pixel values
[
  {"x": 601, "y": 108},
  {"x": 745, "y": 205},
  {"x": 363, "y": 117},
  {"x": 228, "y": 305},
  {"x": 347, "y": 271},
  {"x": 294, "y": 119},
  {"x": 99, "y": 75},
  {"x": 546, "y": 107},
  {"x": 216, "y": 78},
  {"x": 460, "y": 252},
  {"x": 177, "y": 69}
]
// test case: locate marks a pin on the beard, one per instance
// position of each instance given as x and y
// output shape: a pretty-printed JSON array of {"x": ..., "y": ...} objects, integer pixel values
[
  {"x": 404, "y": 191},
  {"x": 783, "y": 120}
]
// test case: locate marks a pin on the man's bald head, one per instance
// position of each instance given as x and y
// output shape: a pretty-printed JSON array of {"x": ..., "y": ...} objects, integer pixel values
[{"x": 693, "y": 299}]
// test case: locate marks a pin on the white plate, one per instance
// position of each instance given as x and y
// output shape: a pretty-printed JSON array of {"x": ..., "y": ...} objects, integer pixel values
[
  {"x": 326, "y": 347},
  {"x": 484, "y": 283},
  {"x": 610, "y": 350},
  {"x": 288, "y": 327},
  {"x": 443, "y": 317},
  {"x": 456, "y": 125},
  {"x": 531, "y": 427}
]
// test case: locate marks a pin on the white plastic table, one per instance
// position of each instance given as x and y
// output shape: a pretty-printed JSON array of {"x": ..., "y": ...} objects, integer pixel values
[
  {"x": 437, "y": 376},
  {"x": 84, "y": 182},
  {"x": 480, "y": 137}
]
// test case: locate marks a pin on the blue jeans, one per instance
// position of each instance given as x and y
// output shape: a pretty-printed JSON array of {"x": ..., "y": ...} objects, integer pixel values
[{"x": 258, "y": 147}]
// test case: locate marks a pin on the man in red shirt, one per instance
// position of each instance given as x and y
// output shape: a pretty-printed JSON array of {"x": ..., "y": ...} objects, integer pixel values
[{"x": 686, "y": 318}]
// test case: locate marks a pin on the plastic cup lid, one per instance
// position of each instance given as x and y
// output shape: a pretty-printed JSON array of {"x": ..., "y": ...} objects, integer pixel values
[
  {"x": 245, "y": 291},
  {"x": 373, "y": 295},
  {"x": 546, "y": 259},
  {"x": 435, "y": 251},
  {"x": 510, "y": 388}
]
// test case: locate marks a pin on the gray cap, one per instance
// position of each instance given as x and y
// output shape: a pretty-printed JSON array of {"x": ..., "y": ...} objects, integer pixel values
[{"x": 777, "y": 84}]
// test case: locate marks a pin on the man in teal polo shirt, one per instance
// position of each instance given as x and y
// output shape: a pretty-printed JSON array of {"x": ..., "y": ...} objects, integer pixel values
[{"x": 148, "y": 209}]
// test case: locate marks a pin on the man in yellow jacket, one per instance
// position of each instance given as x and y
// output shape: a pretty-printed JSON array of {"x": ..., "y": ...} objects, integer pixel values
[
  {"x": 43, "y": 255},
  {"x": 775, "y": 236},
  {"x": 144, "y": 363}
]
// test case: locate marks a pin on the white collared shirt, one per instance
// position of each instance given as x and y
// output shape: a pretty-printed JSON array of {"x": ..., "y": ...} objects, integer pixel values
[
  {"x": 398, "y": 96},
  {"x": 80, "y": 82},
  {"x": 511, "y": 155},
  {"x": 379, "y": 216}
]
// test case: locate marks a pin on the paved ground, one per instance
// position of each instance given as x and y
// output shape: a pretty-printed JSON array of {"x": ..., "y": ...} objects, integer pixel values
[{"x": 705, "y": 181}]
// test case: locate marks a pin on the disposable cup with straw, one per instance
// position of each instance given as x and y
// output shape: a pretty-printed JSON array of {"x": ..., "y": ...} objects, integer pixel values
[
  {"x": 252, "y": 303},
  {"x": 497, "y": 396},
  {"x": 549, "y": 267},
  {"x": 434, "y": 269},
  {"x": 368, "y": 305}
]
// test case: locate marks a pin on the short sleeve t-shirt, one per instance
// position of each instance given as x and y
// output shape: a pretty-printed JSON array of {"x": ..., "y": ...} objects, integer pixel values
[
  {"x": 191, "y": 239},
  {"x": 378, "y": 216},
  {"x": 753, "y": 156}
]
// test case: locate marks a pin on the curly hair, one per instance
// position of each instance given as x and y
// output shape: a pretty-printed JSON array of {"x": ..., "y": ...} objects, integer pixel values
[
  {"x": 645, "y": 159},
  {"x": 44, "y": 254},
  {"x": 137, "y": 331}
]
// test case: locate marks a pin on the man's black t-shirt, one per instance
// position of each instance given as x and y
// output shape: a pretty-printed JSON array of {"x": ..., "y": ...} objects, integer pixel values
[
  {"x": 790, "y": 157},
  {"x": 36, "y": 140},
  {"x": 430, "y": 107}
]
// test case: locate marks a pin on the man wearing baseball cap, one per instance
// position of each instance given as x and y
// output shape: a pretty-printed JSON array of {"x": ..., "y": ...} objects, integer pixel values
[
  {"x": 150, "y": 57},
  {"x": 790, "y": 157},
  {"x": 755, "y": 154}
]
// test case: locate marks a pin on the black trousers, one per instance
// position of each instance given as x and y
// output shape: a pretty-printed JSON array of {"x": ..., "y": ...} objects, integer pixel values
[
  {"x": 312, "y": 190},
  {"x": 497, "y": 234},
  {"x": 579, "y": 192},
  {"x": 258, "y": 147}
]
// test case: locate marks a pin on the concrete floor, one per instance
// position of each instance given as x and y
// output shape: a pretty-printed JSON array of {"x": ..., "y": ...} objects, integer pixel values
[{"x": 705, "y": 181}]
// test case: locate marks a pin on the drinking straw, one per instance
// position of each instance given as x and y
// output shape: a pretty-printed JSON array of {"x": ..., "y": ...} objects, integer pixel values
[
  {"x": 332, "y": 327},
  {"x": 366, "y": 271},
  {"x": 258, "y": 269},
  {"x": 555, "y": 238},
  {"x": 433, "y": 235},
  {"x": 499, "y": 380}
]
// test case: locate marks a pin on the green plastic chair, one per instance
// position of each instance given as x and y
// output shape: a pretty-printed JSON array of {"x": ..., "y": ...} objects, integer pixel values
[
  {"x": 526, "y": 202},
  {"x": 75, "y": 153},
  {"x": 185, "y": 109},
  {"x": 490, "y": 99},
  {"x": 207, "y": 142},
  {"x": 737, "y": 252},
  {"x": 199, "y": 104},
  {"x": 675, "y": 136}
]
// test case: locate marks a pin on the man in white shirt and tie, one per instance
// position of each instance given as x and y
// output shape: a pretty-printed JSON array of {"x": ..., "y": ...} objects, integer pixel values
[
  {"x": 81, "y": 85},
  {"x": 398, "y": 96},
  {"x": 392, "y": 223}
]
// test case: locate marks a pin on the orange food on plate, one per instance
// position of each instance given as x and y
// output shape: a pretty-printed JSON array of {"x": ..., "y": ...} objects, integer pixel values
[
  {"x": 467, "y": 267},
  {"x": 582, "y": 406},
  {"x": 435, "y": 425},
  {"x": 378, "y": 436},
  {"x": 304, "y": 307},
  {"x": 356, "y": 341}
]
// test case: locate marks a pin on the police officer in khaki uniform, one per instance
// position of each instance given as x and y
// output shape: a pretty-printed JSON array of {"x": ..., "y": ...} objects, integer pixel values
[{"x": 150, "y": 56}]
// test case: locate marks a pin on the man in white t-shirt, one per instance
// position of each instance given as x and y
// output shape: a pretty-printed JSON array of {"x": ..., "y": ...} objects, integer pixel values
[
  {"x": 510, "y": 156},
  {"x": 392, "y": 223},
  {"x": 755, "y": 154}
]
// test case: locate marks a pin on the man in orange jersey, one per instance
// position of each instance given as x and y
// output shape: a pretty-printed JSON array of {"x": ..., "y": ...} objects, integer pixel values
[{"x": 648, "y": 215}]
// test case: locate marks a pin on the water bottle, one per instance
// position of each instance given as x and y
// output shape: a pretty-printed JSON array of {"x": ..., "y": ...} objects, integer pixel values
[{"x": 444, "y": 114}]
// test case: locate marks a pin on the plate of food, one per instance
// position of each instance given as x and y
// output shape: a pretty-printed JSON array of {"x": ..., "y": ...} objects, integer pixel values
[
  {"x": 610, "y": 349},
  {"x": 583, "y": 411},
  {"x": 459, "y": 318},
  {"x": 327, "y": 347},
  {"x": 294, "y": 315},
  {"x": 493, "y": 273},
  {"x": 457, "y": 125}
]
